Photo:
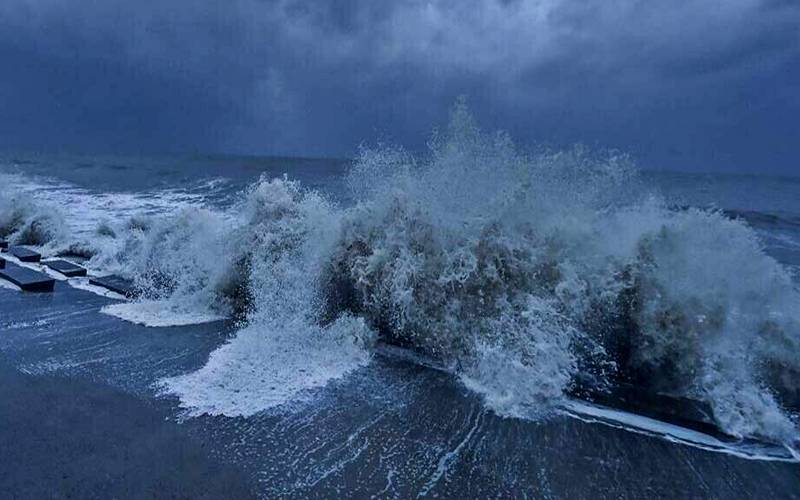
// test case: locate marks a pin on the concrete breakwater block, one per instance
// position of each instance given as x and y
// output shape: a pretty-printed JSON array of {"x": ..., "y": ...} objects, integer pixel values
[
  {"x": 25, "y": 254},
  {"x": 65, "y": 267},
  {"x": 116, "y": 284},
  {"x": 28, "y": 280}
]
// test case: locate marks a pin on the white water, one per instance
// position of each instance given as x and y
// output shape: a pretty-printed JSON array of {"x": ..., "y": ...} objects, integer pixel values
[
  {"x": 510, "y": 266},
  {"x": 636, "y": 423},
  {"x": 520, "y": 272},
  {"x": 67, "y": 215},
  {"x": 269, "y": 365},
  {"x": 156, "y": 313}
]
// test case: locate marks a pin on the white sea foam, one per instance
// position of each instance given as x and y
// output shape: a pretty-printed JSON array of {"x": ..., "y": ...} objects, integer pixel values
[
  {"x": 25, "y": 324},
  {"x": 624, "y": 420},
  {"x": 527, "y": 271},
  {"x": 55, "y": 216},
  {"x": 159, "y": 314},
  {"x": 268, "y": 365},
  {"x": 9, "y": 285},
  {"x": 522, "y": 272},
  {"x": 284, "y": 352}
]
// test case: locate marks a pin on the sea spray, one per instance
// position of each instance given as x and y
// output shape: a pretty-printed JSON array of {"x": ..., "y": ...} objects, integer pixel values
[
  {"x": 712, "y": 312},
  {"x": 284, "y": 351},
  {"x": 526, "y": 274},
  {"x": 24, "y": 221}
]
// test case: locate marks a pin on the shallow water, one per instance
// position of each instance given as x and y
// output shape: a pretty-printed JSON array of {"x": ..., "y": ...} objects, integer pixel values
[
  {"x": 295, "y": 394},
  {"x": 390, "y": 430}
]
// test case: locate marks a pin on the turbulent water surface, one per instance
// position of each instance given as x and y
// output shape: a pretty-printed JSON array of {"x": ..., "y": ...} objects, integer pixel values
[{"x": 270, "y": 290}]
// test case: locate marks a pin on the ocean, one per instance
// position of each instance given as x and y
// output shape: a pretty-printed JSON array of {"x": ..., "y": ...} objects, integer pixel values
[{"x": 472, "y": 321}]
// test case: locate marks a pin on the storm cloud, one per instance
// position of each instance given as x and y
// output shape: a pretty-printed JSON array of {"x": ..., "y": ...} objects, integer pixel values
[{"x": 689, "y": 84}]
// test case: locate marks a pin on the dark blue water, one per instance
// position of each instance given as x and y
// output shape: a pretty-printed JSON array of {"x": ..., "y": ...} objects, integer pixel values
[
  {"x": 153, "y": 173},
  {"x": 81, "y": 418},
  {"x": 389, "y": 428}
]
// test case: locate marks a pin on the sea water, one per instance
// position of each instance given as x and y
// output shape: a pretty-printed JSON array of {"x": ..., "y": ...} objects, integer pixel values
[{"x": 521, "y": 273}]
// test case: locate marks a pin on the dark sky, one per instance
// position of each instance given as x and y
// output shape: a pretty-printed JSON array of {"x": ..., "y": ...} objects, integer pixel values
[{"x": 684, "y": 84}]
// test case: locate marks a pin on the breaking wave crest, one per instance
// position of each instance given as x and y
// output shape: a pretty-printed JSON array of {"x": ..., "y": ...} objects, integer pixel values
[
  {"x": 530, "y": 276},
  {"x": 25, "y": 221}
]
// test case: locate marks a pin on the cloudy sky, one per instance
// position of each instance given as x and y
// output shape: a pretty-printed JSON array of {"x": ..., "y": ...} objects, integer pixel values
[{"x": 684, "y": 84}]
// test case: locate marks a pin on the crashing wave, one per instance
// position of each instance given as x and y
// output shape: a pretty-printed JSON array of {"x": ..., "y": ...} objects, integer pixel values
[
  {"x": 530, "y": 276},
  {"x": 25, "y": 222}
]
